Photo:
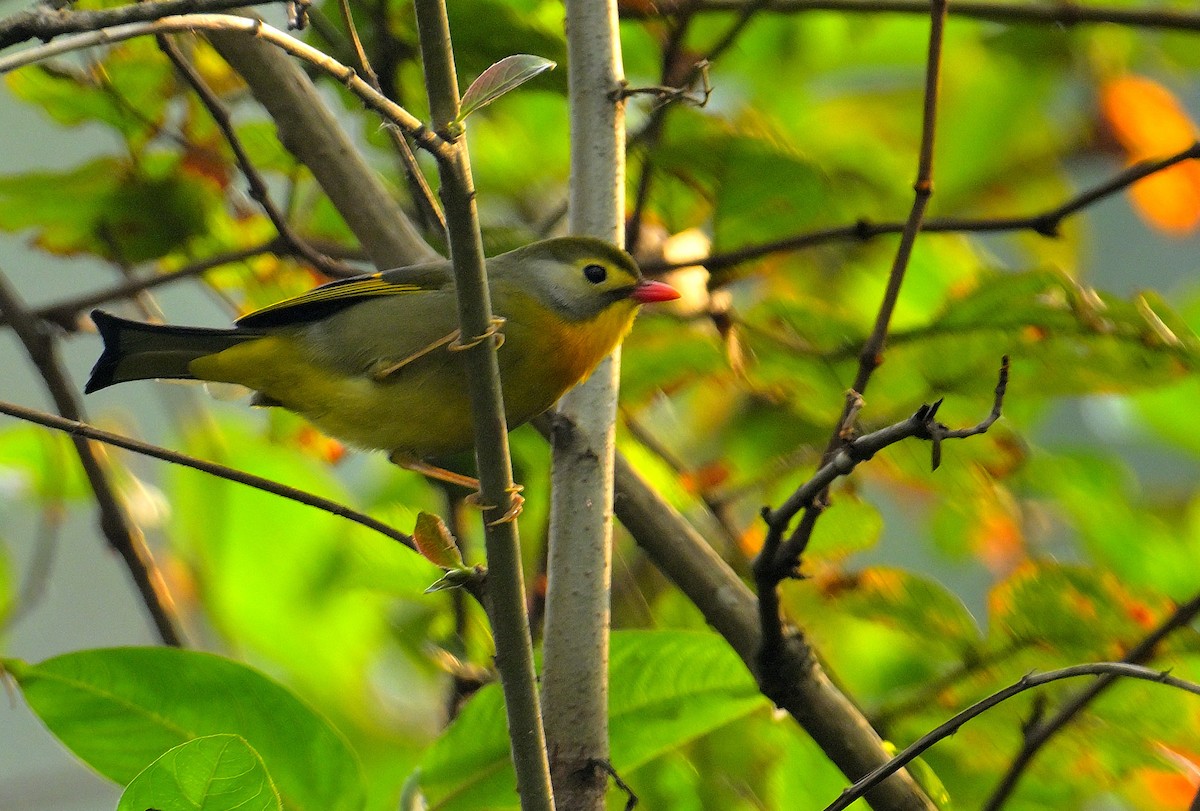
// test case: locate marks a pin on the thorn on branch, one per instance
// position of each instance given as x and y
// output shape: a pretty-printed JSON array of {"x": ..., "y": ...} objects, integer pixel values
[
  {"x": 665, "y": 94},
  {"x": 1047, "y": 226},
  {"x": 935, "y": 431}
]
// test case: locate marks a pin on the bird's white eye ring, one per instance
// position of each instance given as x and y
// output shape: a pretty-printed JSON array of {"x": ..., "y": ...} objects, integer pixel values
[{"x": 595, "y": 273}]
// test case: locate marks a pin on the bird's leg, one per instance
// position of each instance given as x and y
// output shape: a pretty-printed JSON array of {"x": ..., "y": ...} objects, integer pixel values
[
  {"x": 407, "y": 462},
  {"x": 433, "y": 471},
  {"x": 383, "y": 373},
  {"x": 495, "y": 328}
]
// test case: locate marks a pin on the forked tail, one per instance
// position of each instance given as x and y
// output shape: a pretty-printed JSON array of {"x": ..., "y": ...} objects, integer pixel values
[{"x": 138, "y": 351}]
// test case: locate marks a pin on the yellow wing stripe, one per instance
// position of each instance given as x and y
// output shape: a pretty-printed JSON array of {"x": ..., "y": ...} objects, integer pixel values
[{"x": 338, "y": 291}]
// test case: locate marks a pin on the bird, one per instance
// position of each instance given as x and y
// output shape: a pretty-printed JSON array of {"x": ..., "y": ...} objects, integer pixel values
[{"x": 371, "y": 361}]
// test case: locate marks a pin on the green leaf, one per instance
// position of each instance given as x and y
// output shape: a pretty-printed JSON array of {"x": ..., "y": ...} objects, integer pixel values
[
  {"x": 913, "y": 604},
  {"x": 213, "y": 773},
  {"x": 129, "y": 91},
  {"x": 510, "y": 72},
  {"x": 667, "y": 688},
  {"x": 120, "y": 709},
  {"x": 8, "y": 589},
  {"x": 670, "y": 687},
  {"x": 39, "y": 462},
  {"x": 453, "y": 579},
  {"x": 338, "y": 597},
  {"x": 107, "y": 211}
]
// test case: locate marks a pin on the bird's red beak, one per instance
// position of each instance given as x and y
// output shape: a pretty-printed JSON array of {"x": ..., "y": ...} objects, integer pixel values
[{"x": 648, "y": 291}]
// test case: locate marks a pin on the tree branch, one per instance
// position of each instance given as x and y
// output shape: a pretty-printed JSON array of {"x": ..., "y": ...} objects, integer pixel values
[
  {"x": 506, "y": 603},
  {"x": 1038, "y": 734},
  {"x": 1067, "y": 14},
  {"x": 1109, "y": 670},
  {"x": 575, "y": 644},
  {"x": 121, "y": 533},
  {"x": 778, "y": 560},
  {"x": 81, "y": 429},
  {"x": 45, "y": 22},
  {"x": 1046, "y": 223}
]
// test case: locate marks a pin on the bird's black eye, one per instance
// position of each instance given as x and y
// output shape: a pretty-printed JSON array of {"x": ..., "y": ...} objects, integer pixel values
[{"x": 595, "y": 273}]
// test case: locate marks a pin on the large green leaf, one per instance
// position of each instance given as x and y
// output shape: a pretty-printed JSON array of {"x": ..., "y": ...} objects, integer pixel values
[
  {"x": 120, "y": 709},
  {"x": 667, "y": 688},
  {"x": 213, "y": 773}
]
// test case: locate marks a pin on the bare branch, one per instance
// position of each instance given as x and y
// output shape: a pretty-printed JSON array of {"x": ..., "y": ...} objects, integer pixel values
[
  {"x": 1046, "y": 223},
  {"x": 121, "y": 533},
  {"x": 1110, "y": 670},
  {"x": 45, "y": 22},
  {"x": 393, "y": 112},
  {"x": 1037, "y": 734},
  {"x": 1068, "y": 14},
  {"x": 81, "y": 429},
  {"x": 777, "y": 560},
  {"x": 258, "y": 186}
]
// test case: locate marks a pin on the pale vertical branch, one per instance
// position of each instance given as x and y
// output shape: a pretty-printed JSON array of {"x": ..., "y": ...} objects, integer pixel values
[
  {"x": 575, "y": 681},
  {"x": 505, "y": 590}
]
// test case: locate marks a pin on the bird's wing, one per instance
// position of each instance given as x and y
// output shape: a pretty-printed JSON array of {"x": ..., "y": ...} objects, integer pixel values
[{"x": 324, "y": 301}]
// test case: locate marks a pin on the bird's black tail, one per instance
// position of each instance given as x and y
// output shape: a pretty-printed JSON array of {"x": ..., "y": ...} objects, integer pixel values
[{"x": 137, "y": 351}]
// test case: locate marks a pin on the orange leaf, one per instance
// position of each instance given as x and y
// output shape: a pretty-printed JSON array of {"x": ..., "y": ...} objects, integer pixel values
[
  {"x": 1145, "y": 117},
  {"x": 1149, "y": 122},
  {"x": 1170, "y": 199},
  {"x": 997, "y": 538}
]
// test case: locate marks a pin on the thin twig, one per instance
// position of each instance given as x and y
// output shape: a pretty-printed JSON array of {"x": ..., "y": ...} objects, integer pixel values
[
  {"x": 45, "y": 23},
  {"x": 653, "y": 129},
  {"x": 1047, "y": 223},
  {"x": 122, "y": 534},
  {"x": 506, "y": 601},
  {"x": 777, "y": 559},
  {"x": 1037, "y": 734},
  {"x": 393, "y": 112},
  {"x": 418, "y": 187},
  {"x": 870, "y": 358},
  {"x": 81, "y": 429},
  {"x": 1111, "y": 670},
  {"x": 1066, "y": 14},
  {"x": 258, "y": 186},
  {"x": 923, "y": 424}
]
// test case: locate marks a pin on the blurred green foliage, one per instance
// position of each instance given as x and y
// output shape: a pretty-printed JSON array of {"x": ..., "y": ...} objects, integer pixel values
[{"x": 1074, "y": 553}]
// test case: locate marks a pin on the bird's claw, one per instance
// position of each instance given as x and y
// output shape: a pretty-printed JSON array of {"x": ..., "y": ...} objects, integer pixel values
[{"x": 516, "y": 504}]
